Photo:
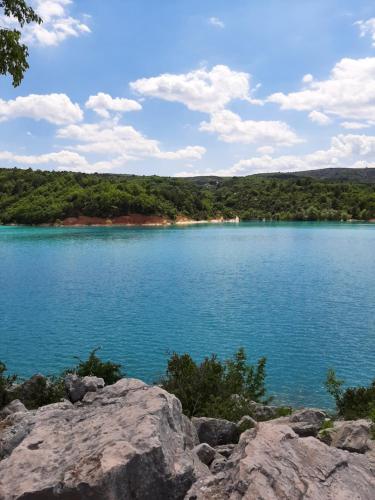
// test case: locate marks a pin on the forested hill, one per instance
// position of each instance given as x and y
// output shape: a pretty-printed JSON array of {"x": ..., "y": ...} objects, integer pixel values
[{"x": 35, "y": 197}]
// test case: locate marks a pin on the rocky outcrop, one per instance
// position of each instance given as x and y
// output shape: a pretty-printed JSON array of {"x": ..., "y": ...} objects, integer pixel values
[
  {"x": 349, "y": 435},
  {"x": 76, "y": 387},
  {"x": 272, "y": 462},
  {"x": 126, "y": 441},
  {"x": 130, "y": 441},
  {"x": 215, "y": 431}
]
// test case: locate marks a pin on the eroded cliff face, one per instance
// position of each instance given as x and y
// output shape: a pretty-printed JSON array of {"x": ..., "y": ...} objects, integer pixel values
[{"x": 131, "y": 441}]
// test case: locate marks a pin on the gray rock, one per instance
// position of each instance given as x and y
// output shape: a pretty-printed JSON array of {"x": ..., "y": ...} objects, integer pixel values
[
  {"x": 77, "y": 387},
  {"x": 307, "y": 422},
  {"x": 246, "y": 423},
  {"x": 215, "y": 431},
  {"x": 13, "y": 407},
  {"x": 125, "y": 442},
  {"x": 263, "y": 412},
  {"x": 273, "y": 463},
  {"x": 205, "y": 453},
  {"x": 225, "y": 449},
  {"x": 218, "y": 465},
  {"x": 352, "y": 436},
  {"x": 190, "y": 433}
]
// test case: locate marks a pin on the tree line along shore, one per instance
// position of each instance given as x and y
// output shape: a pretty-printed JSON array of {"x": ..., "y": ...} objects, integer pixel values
[{"x": 43, "y": 197}]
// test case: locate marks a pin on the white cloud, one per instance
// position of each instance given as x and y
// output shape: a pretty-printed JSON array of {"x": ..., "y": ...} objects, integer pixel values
[
  {"x": 355, "y": 125},
  {"x": 367, "y": 28},
  {"x": 307, "y": 78},
  {"x": 54, "y": 108},
  {"x": 102, "y": 103},
  {"x": 349, "y": 93},
  {"x": 355, "y": 151},
  {"x": 266, "y": 150},
  {"x": 231, "y": 128},
  {"x": 62, "y": 159},
  {"x": 57, "y": 24},
  {"x": 215, "y": 21},
  {"x": 122, "y": 142},
  {"x": 319, "y": 118},
  {"x": 200, "y": 90}
]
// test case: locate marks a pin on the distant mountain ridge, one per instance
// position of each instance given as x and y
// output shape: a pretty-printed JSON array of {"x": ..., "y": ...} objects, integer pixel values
[{"x": 366, "y": 175}]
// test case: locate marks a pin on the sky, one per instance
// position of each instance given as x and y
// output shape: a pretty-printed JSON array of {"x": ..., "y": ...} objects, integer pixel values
[{"x": 192, "y": 87}]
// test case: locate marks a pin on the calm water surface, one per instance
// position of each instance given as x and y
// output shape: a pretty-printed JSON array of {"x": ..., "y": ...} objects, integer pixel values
[{"x": 302, "y": 294}]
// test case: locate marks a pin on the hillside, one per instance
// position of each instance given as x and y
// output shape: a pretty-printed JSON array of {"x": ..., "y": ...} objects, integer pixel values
[
  {"x": 365, "y": 175},
  {"x": 36, "y": 197}
]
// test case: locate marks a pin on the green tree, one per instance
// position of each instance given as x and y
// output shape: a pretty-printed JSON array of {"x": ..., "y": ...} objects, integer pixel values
[
  {"x": 94, "y": 366},
  {"x": 214, "y": 388},
  {"x": 14, "y": 53}
]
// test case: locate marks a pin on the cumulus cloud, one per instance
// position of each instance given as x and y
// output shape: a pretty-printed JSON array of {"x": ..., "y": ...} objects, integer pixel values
[
  {"x": 348, "y": 93},
  {"x": 54, "y": 108},
  {"x": 61, "y": 159},
  {"x": 200, "y": 90},
  {"x": 123, "y": 142},
  {"x": 57, "y": 26},
  {"x": 215, "y": 21},
  {"x": 367, "y": 28},
  {"x": 355, "y": 125},
  {"x": 103, "y": 103},
  {"x": 319, "y": 118},
  {"x": 231, "y": 128}
]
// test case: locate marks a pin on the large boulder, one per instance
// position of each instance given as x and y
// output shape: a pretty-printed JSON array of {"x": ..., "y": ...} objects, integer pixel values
[
  {"x": 307, "y": 422},
  {"x": 348, "y": 435},
  {"x": 126, "y": 441},
  {"x": 272, "y": 462},
  {"x": 216, "y": 431},
  {"x": 15, "y": 406},
  {"x": 76, "y": 387}
]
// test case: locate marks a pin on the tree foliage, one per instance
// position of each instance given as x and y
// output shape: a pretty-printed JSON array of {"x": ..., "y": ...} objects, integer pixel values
[
  {"x": 352, "y": 402},
  {"x": 14, "y": 53},
  {"x": 214, "y": 388},
  {"x": 35, "y": 197},
  {"x": 93, "y": 366}
]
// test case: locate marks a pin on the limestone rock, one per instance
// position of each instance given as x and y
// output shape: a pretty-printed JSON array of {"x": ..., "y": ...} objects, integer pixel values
[
  {"x": 15, "y": 406},
  {"x": 218, "y": 465},
  {"x": 76, "y": 387},
  {"x": 123, "y": 442},
  {"x": 225, "y": 449},
  {"x": 307, "y": 422},
  {"x": 205, "y": 453},
  {"x": 215, "y": 431},
  {"x": 353, "y": 435},
  {"x": 273, "y": 463},
  {"x": 246, "y": 423},
  {"x": 263, "y": 412}
]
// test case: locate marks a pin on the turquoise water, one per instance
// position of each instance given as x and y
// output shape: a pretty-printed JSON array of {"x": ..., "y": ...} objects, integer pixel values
[{"x": 302, "y": 294}]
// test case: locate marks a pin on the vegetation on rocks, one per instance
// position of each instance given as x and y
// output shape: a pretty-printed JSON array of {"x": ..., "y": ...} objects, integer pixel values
[
  {"x": 214, "y": 388},
  {"x": 353, "y": 402},
  {"x": 36, "y": 197}
]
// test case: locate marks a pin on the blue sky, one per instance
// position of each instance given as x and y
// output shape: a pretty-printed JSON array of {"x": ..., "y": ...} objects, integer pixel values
[{"x": 189, "y": 87}]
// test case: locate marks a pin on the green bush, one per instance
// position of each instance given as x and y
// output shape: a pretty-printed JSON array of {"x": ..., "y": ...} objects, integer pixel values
[
  {"x": 214, "y": 388},
  {"x": 353, "y": 402},
  {"x": 6, "y": 383},
  {"x": 93, "y": 366}
]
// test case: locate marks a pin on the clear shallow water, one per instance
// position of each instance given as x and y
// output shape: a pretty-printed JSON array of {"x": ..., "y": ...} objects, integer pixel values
[{"x": 302, "y": 294}]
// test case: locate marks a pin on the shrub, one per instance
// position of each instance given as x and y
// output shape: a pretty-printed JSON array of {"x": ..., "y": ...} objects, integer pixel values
[
  {"x": 214, "y": 388},
  {"x": 94, "y": 366},
  {"x": 6, "y": 383},
  {"x": 353, "y": 402}
]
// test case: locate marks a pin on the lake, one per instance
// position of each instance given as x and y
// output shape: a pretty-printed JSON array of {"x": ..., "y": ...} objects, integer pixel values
[{"x": 302, "y": 294}]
